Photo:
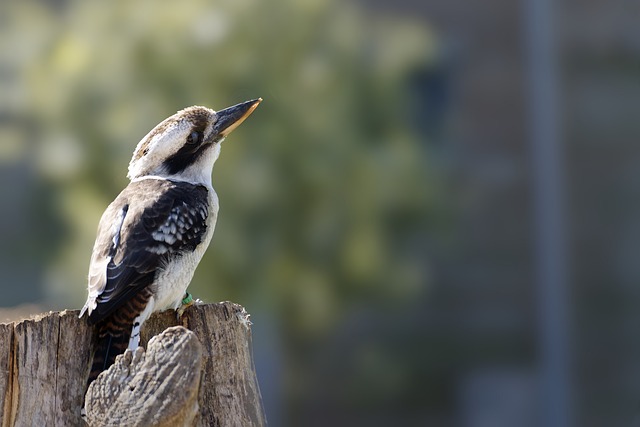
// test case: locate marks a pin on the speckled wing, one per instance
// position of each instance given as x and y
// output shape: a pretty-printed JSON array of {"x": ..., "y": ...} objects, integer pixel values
[{"x": 150, "y": 222}]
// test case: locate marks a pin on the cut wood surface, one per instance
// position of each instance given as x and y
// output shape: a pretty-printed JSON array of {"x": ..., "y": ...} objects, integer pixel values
[{"x": 211, "y": 381}]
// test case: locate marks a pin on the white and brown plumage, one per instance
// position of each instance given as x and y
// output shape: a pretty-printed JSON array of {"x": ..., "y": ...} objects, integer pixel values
[{"x": 152, "y": 236}]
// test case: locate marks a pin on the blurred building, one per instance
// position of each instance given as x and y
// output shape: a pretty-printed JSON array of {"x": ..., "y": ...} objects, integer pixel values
[{"x": 484, "y": 308}]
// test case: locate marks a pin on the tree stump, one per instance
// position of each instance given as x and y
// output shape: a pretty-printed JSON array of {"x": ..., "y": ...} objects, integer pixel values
[
  {"x": 141, "y": 388},
  {"x": 202, "y": 375}
]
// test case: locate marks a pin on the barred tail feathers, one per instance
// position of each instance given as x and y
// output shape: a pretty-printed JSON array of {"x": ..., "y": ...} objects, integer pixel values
[
  {"x": 109, "y": 346},
  {"x": 114, "y": 333}
]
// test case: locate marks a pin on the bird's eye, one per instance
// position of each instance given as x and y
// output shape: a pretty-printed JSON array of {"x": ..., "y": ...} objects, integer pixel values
[{"x": 193, "y": 138}]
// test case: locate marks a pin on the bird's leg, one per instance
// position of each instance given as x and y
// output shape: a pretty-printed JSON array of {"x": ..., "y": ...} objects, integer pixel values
[
  {"x": 134, "y": 341},
  {"x": 186, "y": 302}
]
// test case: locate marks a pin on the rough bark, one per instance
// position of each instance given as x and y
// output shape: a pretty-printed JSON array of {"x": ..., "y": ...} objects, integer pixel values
[{"x": 44, "y": 363}]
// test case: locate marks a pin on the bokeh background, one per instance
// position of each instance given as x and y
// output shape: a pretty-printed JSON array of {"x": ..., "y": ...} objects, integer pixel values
[{"x": 432, "y": 217}]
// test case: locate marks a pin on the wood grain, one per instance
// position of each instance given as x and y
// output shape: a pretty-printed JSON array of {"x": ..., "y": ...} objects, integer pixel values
[{"x": 44, "y": 363}]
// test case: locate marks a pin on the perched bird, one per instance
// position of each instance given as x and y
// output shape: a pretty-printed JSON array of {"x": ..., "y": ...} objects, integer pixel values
[{"x": 152, "y": 236}]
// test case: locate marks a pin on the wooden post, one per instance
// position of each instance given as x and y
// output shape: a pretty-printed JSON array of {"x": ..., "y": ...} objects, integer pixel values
[{"x": 202, "y": 375}]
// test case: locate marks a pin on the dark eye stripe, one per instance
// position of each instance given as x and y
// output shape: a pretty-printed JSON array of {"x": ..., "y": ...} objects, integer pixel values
[{"x": 187, "y": 155}]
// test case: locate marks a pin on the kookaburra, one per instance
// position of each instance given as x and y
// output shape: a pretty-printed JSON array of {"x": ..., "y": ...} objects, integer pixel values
[{"x": 153, "y": 235}]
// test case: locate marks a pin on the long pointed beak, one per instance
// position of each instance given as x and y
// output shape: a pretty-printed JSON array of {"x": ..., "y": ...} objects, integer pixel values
[{"x": 230, "y": 118}]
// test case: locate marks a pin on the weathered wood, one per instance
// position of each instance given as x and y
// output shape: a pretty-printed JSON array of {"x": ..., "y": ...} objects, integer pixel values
[
  {"x": 44, "y": 363},
  {"x": 72, "y": 361},
  {"x": 6, "y": 360},
  {"x": 49, "y": 354},
  {"x": 232, "y": 397},
  {"x": 158, "y": 387}
]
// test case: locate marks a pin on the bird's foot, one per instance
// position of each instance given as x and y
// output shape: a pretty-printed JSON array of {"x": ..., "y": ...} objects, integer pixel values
[{"x": 186, "y": 302}]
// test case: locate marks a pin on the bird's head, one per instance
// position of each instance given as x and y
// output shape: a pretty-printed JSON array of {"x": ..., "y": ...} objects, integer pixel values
[{"x": 186, "y": 145}]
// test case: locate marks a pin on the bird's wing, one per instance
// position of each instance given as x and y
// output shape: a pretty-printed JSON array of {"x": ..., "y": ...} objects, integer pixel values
[{"x": 149, "y": 223}]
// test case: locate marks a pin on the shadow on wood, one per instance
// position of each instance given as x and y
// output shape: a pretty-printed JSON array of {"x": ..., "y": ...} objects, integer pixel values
[{"x": 44, "y": 363}]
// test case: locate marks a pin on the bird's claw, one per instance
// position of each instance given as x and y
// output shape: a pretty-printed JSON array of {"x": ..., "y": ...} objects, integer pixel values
[
  {"x": 180, "y": 310},
  {"x": 187, "y": 302}
]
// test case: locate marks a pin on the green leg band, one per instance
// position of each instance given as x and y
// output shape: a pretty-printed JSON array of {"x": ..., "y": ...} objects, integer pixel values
[{"x": 187, "y": 298}]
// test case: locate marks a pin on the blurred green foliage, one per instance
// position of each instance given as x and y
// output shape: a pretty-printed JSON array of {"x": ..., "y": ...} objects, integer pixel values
[{"x": 325, "y": 196}]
